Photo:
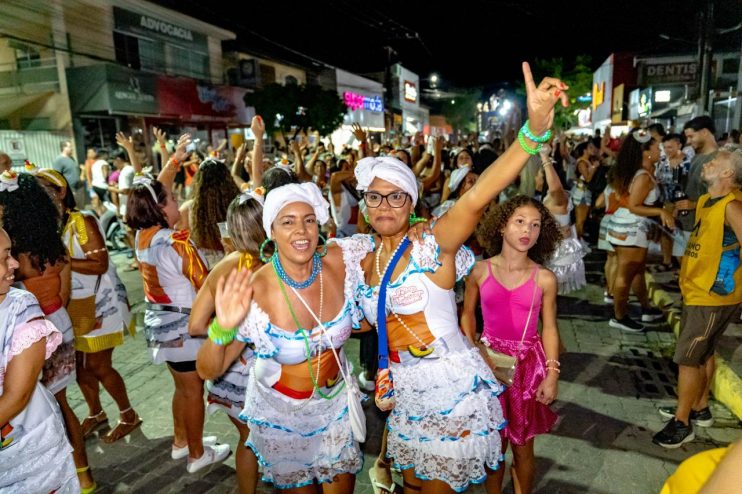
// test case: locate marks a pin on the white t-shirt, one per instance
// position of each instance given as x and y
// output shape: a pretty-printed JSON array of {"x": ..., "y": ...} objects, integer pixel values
[
  {"x": 99, "y": 178},
  {"x": 126, "y": 181}
]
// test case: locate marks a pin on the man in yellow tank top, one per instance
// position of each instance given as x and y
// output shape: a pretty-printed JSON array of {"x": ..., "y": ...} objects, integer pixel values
[{"x": 711, "y": 284}]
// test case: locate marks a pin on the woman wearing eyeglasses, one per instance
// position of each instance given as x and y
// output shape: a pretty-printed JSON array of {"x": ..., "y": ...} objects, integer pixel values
[{"x": 443, "y": 431}]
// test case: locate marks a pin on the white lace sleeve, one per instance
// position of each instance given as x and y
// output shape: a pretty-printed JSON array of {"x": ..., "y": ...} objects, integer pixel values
[
  {"x": 425, "y": 256},
  {"x": 254, "y": 330},
  {"x": 354, "y": 249}
]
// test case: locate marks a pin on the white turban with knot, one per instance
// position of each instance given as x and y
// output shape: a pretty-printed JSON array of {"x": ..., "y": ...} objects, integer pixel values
[
  {"x": 386, "y": 168},
  {"x": 308, "y": 193}
]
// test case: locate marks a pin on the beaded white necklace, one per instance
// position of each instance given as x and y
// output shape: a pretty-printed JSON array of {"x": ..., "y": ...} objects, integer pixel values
[{"x": 413, "y": 350}]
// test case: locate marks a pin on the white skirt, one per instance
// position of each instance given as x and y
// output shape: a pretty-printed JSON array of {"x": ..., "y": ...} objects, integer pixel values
[
  {"x": 227, "y": 392},
  {"x": 603, "y": 243},
  {"x": 627, "y": 229},
  {"x": 568, "y": 266},
  {"x": 447, "y": 418},
  {"x": 296, "y": 441}
]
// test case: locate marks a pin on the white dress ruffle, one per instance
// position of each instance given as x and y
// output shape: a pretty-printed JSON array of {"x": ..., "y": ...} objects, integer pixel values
[{"x": 447, "y": 420}]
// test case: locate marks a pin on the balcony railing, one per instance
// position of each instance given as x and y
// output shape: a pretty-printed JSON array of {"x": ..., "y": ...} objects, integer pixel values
[{"x": 29, "y": 76}]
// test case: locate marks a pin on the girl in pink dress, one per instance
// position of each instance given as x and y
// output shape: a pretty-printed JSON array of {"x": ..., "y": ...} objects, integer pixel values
[{"x": 515, "y": 289}]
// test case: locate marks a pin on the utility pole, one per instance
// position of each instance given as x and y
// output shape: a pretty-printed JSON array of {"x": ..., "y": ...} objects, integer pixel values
[
  {"x": 705, "y": 52},
  {"x": 737, "y": 122}
]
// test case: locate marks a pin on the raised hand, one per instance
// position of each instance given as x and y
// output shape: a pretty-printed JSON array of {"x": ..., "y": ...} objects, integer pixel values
[
  {"x": 258, "y": 127},
  {"x": 160, "y": 136},
  {"x": 541, "y": 100},
  {"x": 358, "y": 132},
  {"x": 180, "y": 148},
  {"x": 232, "y": 298},
  {"x": 239, "y": 155},
  {"x": 125, "y": 142}
]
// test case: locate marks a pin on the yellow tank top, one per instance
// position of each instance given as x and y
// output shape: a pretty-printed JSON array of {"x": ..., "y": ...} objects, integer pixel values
[
  {"x": 703, "y": 253},
  {"x": 693, "y": 473}
]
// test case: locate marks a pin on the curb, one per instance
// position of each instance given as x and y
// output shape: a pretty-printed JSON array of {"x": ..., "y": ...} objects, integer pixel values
[{"x": 726, "y": 384}]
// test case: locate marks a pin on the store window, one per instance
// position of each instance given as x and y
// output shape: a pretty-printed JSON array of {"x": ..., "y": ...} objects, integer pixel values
[
  {"x": 186, "y": 62},
  {"x": 27, "y": 56},
  {"x": 730, "y": 65},
  {"x": 127, "y": 50}
]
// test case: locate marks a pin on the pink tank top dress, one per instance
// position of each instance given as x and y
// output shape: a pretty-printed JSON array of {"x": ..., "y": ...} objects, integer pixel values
[{"x": 505, "y": 313}]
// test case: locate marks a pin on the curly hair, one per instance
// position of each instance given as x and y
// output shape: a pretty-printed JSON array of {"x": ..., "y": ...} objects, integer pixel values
[
  {"x": 489, "y": 231},
  {"x": 628, "y": 162},
  {"x": 213, "y": 190},
  {"x": 33, "y": 222}
]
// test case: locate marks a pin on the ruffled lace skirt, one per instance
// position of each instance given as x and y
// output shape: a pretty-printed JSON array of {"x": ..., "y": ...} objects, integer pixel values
[
  {"x": 447, "y": 418},
  {"x": 59, "y": 369},
  {"x": 568, "y": 266},
  {"x": 300, "y": 441},
  {"x": 227, "y": 392}
]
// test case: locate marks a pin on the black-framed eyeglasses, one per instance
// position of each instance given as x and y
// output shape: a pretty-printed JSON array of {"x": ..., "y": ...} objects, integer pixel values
[{"x": 394, "y": 199}]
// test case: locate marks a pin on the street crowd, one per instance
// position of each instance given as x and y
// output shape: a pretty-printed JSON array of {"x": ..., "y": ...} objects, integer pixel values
[{"x": 446, "y": 258}]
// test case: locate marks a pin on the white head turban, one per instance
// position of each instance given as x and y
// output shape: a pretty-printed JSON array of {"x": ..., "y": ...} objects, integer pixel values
[
  {"x": 308, "y": 193},
  {"x": 386, "y": 168},
  {"x": 457, "y": 176}
]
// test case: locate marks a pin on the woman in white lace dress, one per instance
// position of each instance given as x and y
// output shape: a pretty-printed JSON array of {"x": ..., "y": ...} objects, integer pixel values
[
  {"x": 444, "y": 430},
  {"x": 35, "y": 455},
  {"x": 296, "y": 404}
]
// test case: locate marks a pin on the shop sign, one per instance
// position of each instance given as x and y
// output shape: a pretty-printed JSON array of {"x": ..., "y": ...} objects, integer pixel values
[
  {"x": 356, "y": 101},
  {"x": 410, "y": 92},
  {"x": 210, "y": 96},
  {"x": 132, "y": 92},
  {"x": 598, "y": 94},
  {"x": 136, "y": 23},
  {"x": 617, "y": 113},
  {"x": 669, "y": 73},
  {"x": 602, "y": 93}
]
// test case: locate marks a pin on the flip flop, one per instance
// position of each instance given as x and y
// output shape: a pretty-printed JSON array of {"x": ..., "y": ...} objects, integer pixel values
[
  {"x": 378, "y": 487},
  {"x": 92, "y": 423}
]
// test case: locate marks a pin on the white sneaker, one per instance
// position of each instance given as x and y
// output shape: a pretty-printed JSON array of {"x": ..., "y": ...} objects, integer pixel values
[
  {"x": 180, "y": 453},
  {"x": 212, "y": 455},
  {"x": 365, "y": 384}
]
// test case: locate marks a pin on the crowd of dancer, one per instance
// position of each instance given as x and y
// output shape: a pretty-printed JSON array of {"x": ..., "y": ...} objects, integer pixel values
[{"x": 254, "y": 284}]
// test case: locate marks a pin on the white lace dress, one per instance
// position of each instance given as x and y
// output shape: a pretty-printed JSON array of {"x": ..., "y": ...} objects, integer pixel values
[
  {"x": 299, "y": 440},
  {"x": 567, "y": 261},
  {"x": 35, "y": 456},
  {"x": 447, "y": 417}
]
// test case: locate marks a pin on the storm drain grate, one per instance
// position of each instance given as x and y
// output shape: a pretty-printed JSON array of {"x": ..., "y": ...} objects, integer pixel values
[{"x": 654, "y": 376}]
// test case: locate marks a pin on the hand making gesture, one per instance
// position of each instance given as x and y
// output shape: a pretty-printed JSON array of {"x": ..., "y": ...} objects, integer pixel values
[{"x": 541, "y": 100}]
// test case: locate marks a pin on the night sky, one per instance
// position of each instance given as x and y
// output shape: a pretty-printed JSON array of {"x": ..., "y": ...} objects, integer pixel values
[{"x": 467, "y": 42}]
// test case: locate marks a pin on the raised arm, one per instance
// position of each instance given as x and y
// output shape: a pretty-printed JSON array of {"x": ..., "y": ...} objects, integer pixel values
[
  {"x": 452, "y": 230},
  {"x": 239, "y": 156},
  {"x": 162, "y": 142},
  {"x": 556, "y": 189},
  {"x": 168, "y": 172},
  {"x": 299, "y": 169},
  {"x": 258, "y": 129},
  {"x": 361, "y": 136},
  {"x": 431, "y": 180},
  {"x": 128, "y": 144}
]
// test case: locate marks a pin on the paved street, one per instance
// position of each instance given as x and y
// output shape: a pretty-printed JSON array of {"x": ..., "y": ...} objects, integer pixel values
[{"x": 611, "y": 385}]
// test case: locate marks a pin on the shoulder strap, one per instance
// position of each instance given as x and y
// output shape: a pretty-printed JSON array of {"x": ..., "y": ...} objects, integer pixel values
[
  {"x": 533, "y": 300},
  {"x": 381, "y": 306}
]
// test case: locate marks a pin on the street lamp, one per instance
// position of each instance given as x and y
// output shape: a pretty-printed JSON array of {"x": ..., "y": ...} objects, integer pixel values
[{"x": 433, "y": 80}]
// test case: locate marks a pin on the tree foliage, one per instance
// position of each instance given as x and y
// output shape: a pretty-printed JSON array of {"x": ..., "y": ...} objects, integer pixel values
[
  {"x": 461, "y": 112},
  {"x": 298, "y": 107},
  {"x": 577, "y": 74}
]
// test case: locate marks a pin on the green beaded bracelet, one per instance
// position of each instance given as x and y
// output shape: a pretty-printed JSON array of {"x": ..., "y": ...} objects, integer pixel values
[
  {"x": 219, "y": 335},
  {"x": 414, "y": 220},
  {"x": 542, "y": 138},
  {"x": 524, "y": 145}
]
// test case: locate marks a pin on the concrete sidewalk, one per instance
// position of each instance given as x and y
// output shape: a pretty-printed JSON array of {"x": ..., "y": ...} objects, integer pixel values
[{"x": 611, "y": 385}]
